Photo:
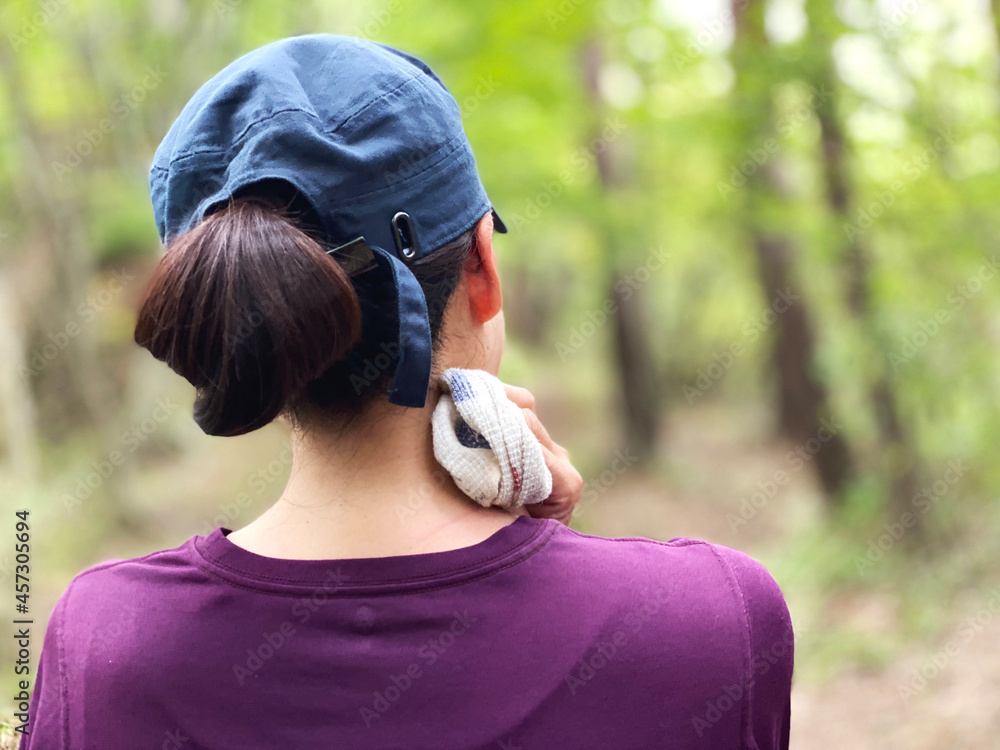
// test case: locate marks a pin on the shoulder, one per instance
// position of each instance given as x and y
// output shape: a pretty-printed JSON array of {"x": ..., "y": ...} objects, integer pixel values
[
  {"x": 721, "y": 608},
  {"x": 709, "y": 579},
  {"x": 710, "y": 589},
  {"x": 749, "y": 579},
  {"x": 95, "y": 635},
  {"x": 104, "y": 606},
  {"x": 110, "y": 581},
  {"x": 734, "y": 578},
  {"x": 703, "y": 610}
]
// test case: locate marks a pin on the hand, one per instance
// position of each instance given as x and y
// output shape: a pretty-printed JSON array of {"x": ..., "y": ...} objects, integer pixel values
[{"x": 567, "y": 484}]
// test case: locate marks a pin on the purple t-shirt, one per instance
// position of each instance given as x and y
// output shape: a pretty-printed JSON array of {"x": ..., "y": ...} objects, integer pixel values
[{"x": 538, "y": 637}]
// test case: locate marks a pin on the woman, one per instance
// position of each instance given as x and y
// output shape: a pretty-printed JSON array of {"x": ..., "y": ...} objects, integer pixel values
[{"x": 329, "y": 255}]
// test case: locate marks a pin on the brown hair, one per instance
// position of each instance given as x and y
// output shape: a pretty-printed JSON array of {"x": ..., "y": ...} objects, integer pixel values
[{"x": 250, "y": 308}]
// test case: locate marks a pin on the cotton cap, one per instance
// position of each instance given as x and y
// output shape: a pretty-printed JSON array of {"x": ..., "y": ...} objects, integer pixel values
[{"x": 368, "y": 135}]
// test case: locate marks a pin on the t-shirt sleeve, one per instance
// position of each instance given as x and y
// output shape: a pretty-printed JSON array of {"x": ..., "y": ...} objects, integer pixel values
[
  {"x": 47, "y": 710},
  {"x": 771, "y": 655}
]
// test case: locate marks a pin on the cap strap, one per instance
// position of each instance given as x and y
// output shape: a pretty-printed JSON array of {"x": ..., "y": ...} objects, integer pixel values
[{"x": 413, "y": 370}]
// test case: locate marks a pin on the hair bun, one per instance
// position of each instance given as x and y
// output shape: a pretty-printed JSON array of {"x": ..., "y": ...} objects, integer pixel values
[{"x": 249, "y": 309}]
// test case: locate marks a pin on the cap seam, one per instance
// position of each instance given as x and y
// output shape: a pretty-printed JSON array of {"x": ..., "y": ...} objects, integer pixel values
[
  {"x": 457, "y": 141},
  {"x": 455, "y": 144},
  {"x": 237, "y": 140},
  {"x": 367, "y": 105},
  {"x": 250, "y": 126}
]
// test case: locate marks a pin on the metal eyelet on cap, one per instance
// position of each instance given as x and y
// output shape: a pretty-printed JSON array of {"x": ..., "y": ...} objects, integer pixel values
[{"x": 404, "y": 233}]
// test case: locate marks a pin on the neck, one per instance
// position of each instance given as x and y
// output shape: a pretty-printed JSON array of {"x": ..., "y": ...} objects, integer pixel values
[{"x": 373, "y": 490}]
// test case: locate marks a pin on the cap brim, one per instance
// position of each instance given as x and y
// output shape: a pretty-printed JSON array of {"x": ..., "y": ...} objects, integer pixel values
[{"x": 498, "y": 225}]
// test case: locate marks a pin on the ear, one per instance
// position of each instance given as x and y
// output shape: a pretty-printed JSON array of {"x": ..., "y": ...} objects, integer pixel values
[{"x": 482, "y": 277}]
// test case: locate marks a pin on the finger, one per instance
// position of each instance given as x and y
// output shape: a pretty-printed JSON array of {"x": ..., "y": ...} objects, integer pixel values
[
  {"x": 536, "y": 426},
  {"x": 543, "y": 510},
  {"x": 539, "y": 430},
  {"x": 567, "y": 486},
  {"x": 520, "y": 396},
  {"x": 560, "y": 510},
  {"x": 566, "y": 480}
]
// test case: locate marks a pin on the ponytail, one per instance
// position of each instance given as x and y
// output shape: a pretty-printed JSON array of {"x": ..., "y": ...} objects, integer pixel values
[{"x": 250, "y": 310}]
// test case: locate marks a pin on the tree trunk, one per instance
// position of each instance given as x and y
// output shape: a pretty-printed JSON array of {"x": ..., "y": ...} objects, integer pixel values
[
  {"x": 638, "y": 383},
  {"x": 803, "y": 397},
  {"x": 900, "y": 458},
  {"x": 803, "y": 404},
  {"x": 636, "y": 371}
]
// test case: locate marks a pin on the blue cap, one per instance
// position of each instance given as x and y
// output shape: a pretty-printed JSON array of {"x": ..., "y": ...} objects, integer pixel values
[{"x": 367, "y": 134}]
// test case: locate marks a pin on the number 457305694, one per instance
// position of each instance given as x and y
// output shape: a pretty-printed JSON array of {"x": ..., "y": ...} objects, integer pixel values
[{"x": 23, "y": 551}]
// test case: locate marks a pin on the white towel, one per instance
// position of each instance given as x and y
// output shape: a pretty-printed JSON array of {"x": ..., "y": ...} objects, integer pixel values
[{"x": 482, "y": 439}]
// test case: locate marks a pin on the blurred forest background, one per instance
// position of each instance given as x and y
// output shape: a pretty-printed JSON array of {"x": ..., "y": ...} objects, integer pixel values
[{"x": 752, "y": 279}]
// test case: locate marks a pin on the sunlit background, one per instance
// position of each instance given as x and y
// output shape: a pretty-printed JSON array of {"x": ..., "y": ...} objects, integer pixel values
[{"x": 752, "y": 278}]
